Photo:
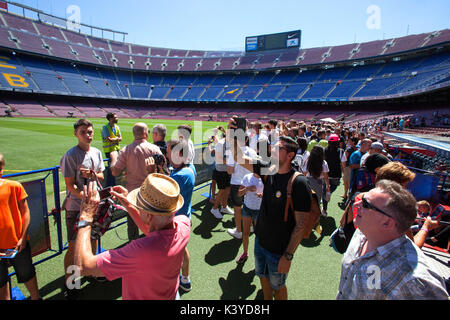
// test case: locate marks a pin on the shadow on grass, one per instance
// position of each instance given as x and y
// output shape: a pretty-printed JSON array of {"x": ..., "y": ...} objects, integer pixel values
[
  {"x": 222, "y": 252},
  {"x": 208, "y": 223},
  {"x": 108, "y": 290},
  {"x": 238, "y": 285},
  {"x": 91, "y": 289},
  {"x": 328, "y": 226}
]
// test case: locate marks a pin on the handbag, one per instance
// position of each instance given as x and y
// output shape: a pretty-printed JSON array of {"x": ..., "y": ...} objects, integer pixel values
[{"x": 340, "y": 238}]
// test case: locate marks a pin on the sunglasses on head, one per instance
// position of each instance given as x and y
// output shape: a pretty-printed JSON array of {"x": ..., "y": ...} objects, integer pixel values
[{"x": 367, "y": 205}]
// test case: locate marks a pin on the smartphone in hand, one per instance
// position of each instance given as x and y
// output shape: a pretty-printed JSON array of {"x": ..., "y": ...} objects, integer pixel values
[{"x": 8, "y": 253}]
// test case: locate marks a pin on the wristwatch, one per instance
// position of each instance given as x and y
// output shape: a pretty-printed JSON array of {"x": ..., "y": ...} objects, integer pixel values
[
  {"x": 83, "y": 223},
  {"x": 288, "y": 256}
]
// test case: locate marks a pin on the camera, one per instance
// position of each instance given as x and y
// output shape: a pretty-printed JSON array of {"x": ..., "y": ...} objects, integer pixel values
[
  {"x": 241, "y": 123},
  {"x": 105, "y": 193},
  {"x": 103, "y": 217},
  {"x": 159, "y": 159}
]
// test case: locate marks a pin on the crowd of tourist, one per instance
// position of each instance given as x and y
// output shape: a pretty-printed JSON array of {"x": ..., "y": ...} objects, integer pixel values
[{"x": 271, "y": 178}]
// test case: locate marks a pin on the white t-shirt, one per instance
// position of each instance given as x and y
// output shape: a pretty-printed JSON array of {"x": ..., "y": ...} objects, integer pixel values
[
  {"x": 363, "y": 159},
  {"x": 239, "y": 171},
  {"x": 219, "y": 156},
  {"x": 191, "y": 155},
  {"x": 324, "y": 169},
  {"x": 302, "y": 159},
  {"x": 251, "y": 199},
  {"x": 253, "y": 142}
]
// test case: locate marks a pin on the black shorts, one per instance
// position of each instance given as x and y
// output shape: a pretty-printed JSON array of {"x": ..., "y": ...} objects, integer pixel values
[
  {"x": 222, "y": 179},
  {"x": 236, "y": 201},
  {"x": 23, "y": 266}
]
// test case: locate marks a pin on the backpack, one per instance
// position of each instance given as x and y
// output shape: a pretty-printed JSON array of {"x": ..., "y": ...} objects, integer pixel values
[
  {"x": 364, "y": 180},
  {"x": 315, "y": 212}
]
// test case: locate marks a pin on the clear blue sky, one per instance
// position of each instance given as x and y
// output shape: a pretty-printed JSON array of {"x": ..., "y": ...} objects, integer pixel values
[{"x": 224, "y": 24}]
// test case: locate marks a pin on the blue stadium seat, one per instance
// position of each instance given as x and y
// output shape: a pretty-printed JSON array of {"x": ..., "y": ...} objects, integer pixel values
[
  {"x": 211, "y": 93},
  {"x": 193, "y": 93},
  {"x": 292, "y": 92},
  {"x": 139, "y": 91},
  {"x": 49, "y": 82},
  {"x": 159, "y": 92},
  {"x": 376, "y": 86},
  {"x": 334, "y": 74},
  {"x": 318, "y": 91},
  {"x": 230, "y": 92},
  {"x": 345, "y": 89},
  {"x": 177, "y": 92},
  {"x": 270, "y": 92},
  {"x": 249, "y": 93}
]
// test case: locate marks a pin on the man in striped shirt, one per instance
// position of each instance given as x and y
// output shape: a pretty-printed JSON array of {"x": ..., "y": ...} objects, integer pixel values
[{"x": 381, "y": 262}]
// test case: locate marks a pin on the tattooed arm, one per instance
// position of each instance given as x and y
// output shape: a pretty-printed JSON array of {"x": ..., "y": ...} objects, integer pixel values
[{"x": 296, "y": 237}]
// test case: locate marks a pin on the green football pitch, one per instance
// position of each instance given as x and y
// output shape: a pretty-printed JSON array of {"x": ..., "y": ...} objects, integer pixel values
[{"x": 36, "y": 143}]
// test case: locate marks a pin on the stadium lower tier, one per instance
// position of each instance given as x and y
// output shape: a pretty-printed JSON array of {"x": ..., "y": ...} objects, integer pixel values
[
  {"x": 20, "y": 72},
  {"x": 16, "y": 104}
]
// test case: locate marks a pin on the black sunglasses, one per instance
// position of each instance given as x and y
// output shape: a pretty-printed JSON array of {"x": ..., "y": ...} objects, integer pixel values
[{"x": 367, "y": 205}]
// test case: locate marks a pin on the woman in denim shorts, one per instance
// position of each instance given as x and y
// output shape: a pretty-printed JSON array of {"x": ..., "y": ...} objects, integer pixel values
[{"x": 252, "y": 189}]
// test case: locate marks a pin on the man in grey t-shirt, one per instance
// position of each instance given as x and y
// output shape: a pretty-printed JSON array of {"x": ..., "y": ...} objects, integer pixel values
[{"x": 76, "y": 166}]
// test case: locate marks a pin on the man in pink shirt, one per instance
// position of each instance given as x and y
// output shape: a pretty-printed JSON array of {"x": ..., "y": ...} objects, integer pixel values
[
  {"x": 149, "y": 266},
  {"x": 133, "y": 159}
]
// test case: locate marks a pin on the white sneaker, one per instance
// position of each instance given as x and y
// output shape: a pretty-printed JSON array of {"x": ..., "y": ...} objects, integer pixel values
[
  {"x": 234, "y": 233},
  {"x": 216, "y": 213},
  {"x": 227, "y": 210}
]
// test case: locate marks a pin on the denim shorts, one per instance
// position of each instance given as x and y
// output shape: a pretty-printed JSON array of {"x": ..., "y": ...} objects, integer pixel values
[
  {"x": 266, "y": 266},
  {"x": 250, "y": 213}
]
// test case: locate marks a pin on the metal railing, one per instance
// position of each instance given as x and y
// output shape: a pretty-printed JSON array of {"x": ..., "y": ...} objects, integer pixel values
[{"x": 56, "y": 212}]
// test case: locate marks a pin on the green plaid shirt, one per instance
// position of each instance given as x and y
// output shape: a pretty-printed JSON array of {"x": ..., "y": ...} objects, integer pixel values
[{"x": 397, "y": 270}]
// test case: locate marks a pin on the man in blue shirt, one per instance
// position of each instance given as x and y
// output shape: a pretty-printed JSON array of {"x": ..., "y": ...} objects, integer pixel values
[
  {"x": 355, "y": 159},
  {"x": 401, "y": 124},
  {"x": 184, "y": 174}
]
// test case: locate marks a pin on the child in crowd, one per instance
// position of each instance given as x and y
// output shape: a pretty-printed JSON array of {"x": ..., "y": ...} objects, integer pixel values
[
  {"x": 14, "y": 226},
  {"x": 423, "y": 211},
  {"x": 252, "y": 189}
]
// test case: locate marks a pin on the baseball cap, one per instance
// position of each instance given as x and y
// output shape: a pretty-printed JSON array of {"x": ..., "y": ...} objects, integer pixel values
[{"x": 333, "y": 138}]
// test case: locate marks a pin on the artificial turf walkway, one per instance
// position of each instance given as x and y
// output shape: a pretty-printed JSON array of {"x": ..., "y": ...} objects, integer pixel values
[
  {"x": 314, "y": 273},
  {"x": 35, "y": 143}
]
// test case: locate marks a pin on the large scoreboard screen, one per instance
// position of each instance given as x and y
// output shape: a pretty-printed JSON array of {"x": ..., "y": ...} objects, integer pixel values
[{"x": 283, "y": 40}]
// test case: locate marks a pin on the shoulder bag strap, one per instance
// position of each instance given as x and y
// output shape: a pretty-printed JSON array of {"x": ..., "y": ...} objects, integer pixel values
[{"x": 289, "y": 203}]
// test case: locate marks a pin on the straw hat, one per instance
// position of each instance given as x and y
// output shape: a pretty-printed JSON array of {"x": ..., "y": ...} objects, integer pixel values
[{"x": 158, "y": 195}]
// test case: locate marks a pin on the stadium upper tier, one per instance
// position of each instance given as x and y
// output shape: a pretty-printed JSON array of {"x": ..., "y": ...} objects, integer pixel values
[
  {"x": 40, "y": 58},
  {"x": 34, "y": 36}
]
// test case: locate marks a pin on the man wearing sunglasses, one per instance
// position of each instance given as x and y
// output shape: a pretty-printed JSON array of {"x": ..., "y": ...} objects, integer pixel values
[
  {"x": 381, "y": 262},
  {"x": 277, "y": 239}
]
